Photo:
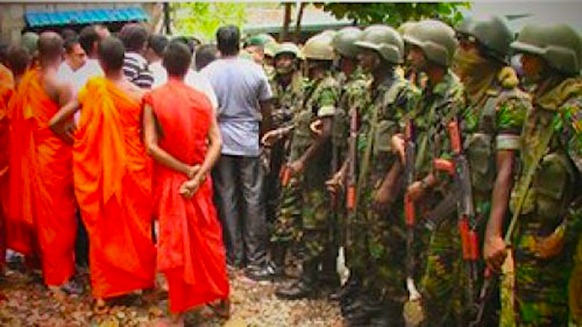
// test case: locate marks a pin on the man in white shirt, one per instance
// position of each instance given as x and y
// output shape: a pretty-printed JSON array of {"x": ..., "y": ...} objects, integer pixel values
[
  {"x": 193, "y": 78},
  {"x": 155, "y": 49}
]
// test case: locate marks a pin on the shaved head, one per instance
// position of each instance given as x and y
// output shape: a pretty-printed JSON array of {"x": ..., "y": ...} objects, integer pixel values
[
  {"x": 50, "y": 46},
  {"x": 17, "y": 59},
  {"x": 111, "y": 53}
]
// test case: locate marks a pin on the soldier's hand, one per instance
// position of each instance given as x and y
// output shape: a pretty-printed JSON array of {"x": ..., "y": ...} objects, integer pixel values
[
  {"x": 399, "y": 146},
  {"x": 494, "y": 252},
  {"x": 415, "y": 191},
  {"x": 550, "y": 246},
  {"x": 335, "y": 184},
  {"x": 271, "y": 137},
  {"x": 297, "y": 166},
  {"x": 316, "y": 127},
  {"x": 382, "y": 200}
]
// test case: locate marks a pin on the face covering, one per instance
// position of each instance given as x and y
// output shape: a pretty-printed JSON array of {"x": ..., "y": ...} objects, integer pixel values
[{"x": 476, "y": 73}]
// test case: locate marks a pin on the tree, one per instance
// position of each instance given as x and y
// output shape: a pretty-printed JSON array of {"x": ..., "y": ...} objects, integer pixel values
[
  {"x": 202, "y": 19},
  {"x": 395, "y": 14}
]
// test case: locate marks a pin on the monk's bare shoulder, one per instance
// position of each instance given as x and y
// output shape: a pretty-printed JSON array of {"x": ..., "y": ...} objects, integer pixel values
[
  {"x": 54, "y": 87},
  {"x": 133, "y": 91}
]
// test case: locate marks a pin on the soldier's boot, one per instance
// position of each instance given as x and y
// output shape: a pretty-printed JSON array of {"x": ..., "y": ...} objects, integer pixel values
[
  {"x": 329, "y": 278},
  {"x": 387, "y": 314},
  {"x": 277, "y": 263},
  {"x": 350, "y": 288},
  {"x": 304, "y": 287}
]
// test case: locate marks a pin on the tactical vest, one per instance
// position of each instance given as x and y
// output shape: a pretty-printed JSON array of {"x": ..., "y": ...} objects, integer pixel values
[
  {"x": 553, "y": 185},
  {"x": 379, "y": 124}
]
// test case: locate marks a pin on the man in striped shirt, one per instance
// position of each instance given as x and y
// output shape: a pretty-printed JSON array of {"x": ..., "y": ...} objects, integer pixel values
[{"x": 135, "y": 67}]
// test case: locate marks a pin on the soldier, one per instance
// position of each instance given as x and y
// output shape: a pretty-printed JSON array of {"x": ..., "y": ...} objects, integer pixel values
[
  {"x": 353, "y": 88},
  {"x": 492, "y": 125},
  {"x": 549, "y": 180},
  {"x": 287, "y": 86},
  {"x": 431, "y": 46},
  {"x": 380, "y": 264},
  {"x": 310, "y": 161}
]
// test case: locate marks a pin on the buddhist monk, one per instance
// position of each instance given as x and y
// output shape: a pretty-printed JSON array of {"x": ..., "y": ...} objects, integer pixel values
[
  {"x": 18, "y": 223},
  {"x": 6, "y": 90},
  {"x": 47, "y": 202},
  {"x": 182, "y": 136},
  {"x": 112, "y": 179}
]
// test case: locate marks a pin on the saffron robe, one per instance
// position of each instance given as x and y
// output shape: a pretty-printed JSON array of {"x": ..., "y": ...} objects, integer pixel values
[
  {"x": 113, "y": 186},
  {"x": 191, "y": 252},
  {"x": 41, "y": 183},
  {"x": 6, "y": 90}
]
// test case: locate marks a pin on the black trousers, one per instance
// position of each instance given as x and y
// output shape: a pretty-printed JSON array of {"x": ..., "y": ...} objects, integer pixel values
[{"x": 239, "y": 198}]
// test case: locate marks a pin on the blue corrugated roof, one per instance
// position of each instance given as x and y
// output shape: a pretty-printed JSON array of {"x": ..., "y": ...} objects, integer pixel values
[{"x": 88, "y": 16}]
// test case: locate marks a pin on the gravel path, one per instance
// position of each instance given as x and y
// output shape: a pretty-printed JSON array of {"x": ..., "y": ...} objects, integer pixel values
[{"x": 24, "y": 301}]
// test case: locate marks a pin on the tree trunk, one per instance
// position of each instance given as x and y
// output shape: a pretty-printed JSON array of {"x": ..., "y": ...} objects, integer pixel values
[
  {"x": 297, "y": 37},
  {"x": 284, "y": 36}
]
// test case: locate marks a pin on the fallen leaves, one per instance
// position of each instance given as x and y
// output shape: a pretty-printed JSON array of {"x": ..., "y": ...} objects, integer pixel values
[{"x": 26, "y": 302}]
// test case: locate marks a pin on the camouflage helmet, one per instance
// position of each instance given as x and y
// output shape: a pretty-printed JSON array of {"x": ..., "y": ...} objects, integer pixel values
[
  {"x": 492, "y": 33},
  {"x": 287, "y": 47},
  {"x": 344, "y": 41},
  {"x": 559, "y": 45},
  {"x": 436, "y": 39},
  {"x": 318, "y": 47},
  {"x": 29, "y": 41},
  {"x": 405, "y": 27},
  {"x": 259, "y": 40},
  {"x": 328, "y": 33},
  {"x": 271, "y": 48},
  {"x": 385, "y": 41}
]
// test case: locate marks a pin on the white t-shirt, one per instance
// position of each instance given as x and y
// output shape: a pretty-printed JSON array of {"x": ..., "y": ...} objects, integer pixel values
[
  {"x": 79, "y": 78},
  {"x": 193, "y": 79}
]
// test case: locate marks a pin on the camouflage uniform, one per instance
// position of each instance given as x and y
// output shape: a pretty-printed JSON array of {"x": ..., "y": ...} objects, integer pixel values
[
  {"x": 322, "y": 102},
  {"x": 382, "y": 235},
  {"x": 493, "y": 122},
  {"x": 440, "y": 284},
  {"x": 283, "y": 203},
  {"x": 355, "y": 95},
  {"x": 542, "y": 283}
]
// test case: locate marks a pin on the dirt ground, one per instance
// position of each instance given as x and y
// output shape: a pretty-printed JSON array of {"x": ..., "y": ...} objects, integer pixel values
[{"x": 24, "y": 301}]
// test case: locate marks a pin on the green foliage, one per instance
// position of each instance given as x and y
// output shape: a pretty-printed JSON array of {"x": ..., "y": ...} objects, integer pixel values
[
  {"x": 395, "y": 14},
  {"x": 202, "y": 19}
]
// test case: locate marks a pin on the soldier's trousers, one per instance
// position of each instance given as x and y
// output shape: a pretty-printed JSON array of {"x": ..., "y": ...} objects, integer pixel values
[
  {"x": 541, "y": 286},
  {"x": 287, "y": 227},
  {"x": 316, "y": 218},
  {"x": 442, "y": 285},
  {"x": 575, "y": 286}
]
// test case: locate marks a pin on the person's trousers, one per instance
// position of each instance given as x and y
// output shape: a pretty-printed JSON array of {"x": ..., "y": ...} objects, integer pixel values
[{"x": 238, "y": 185}]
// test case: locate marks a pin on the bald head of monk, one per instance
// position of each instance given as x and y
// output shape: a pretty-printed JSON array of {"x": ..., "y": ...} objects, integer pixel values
[
  {"x": 110, "y": 53},
  {"x": 17, "y": 59},
  {"x": 50, "y": 47},
  {"x": 177, "y": 59}
]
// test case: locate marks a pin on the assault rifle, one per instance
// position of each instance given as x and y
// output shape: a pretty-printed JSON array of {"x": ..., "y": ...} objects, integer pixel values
[
  {"x": 409, "y": 209},
  {"x": 462, "y": 189}
]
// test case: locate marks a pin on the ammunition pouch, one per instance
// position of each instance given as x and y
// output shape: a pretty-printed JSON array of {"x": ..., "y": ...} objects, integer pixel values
[
  {"x": 550, "y": 184},
  {"x": 383, "y": 135},
  {"x": 481, "y": 156}
]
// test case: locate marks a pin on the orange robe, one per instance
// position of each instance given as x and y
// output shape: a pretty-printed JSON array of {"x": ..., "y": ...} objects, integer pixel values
[
  {"x": 6, "y": 90},
  {"x": 113, "y": 187},
  {"x": 191, "y": 253},
  {"x": 41, "y": 182}
]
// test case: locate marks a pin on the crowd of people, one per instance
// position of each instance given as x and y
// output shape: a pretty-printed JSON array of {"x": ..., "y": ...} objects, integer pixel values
[{"x": 443, "y": 175}]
